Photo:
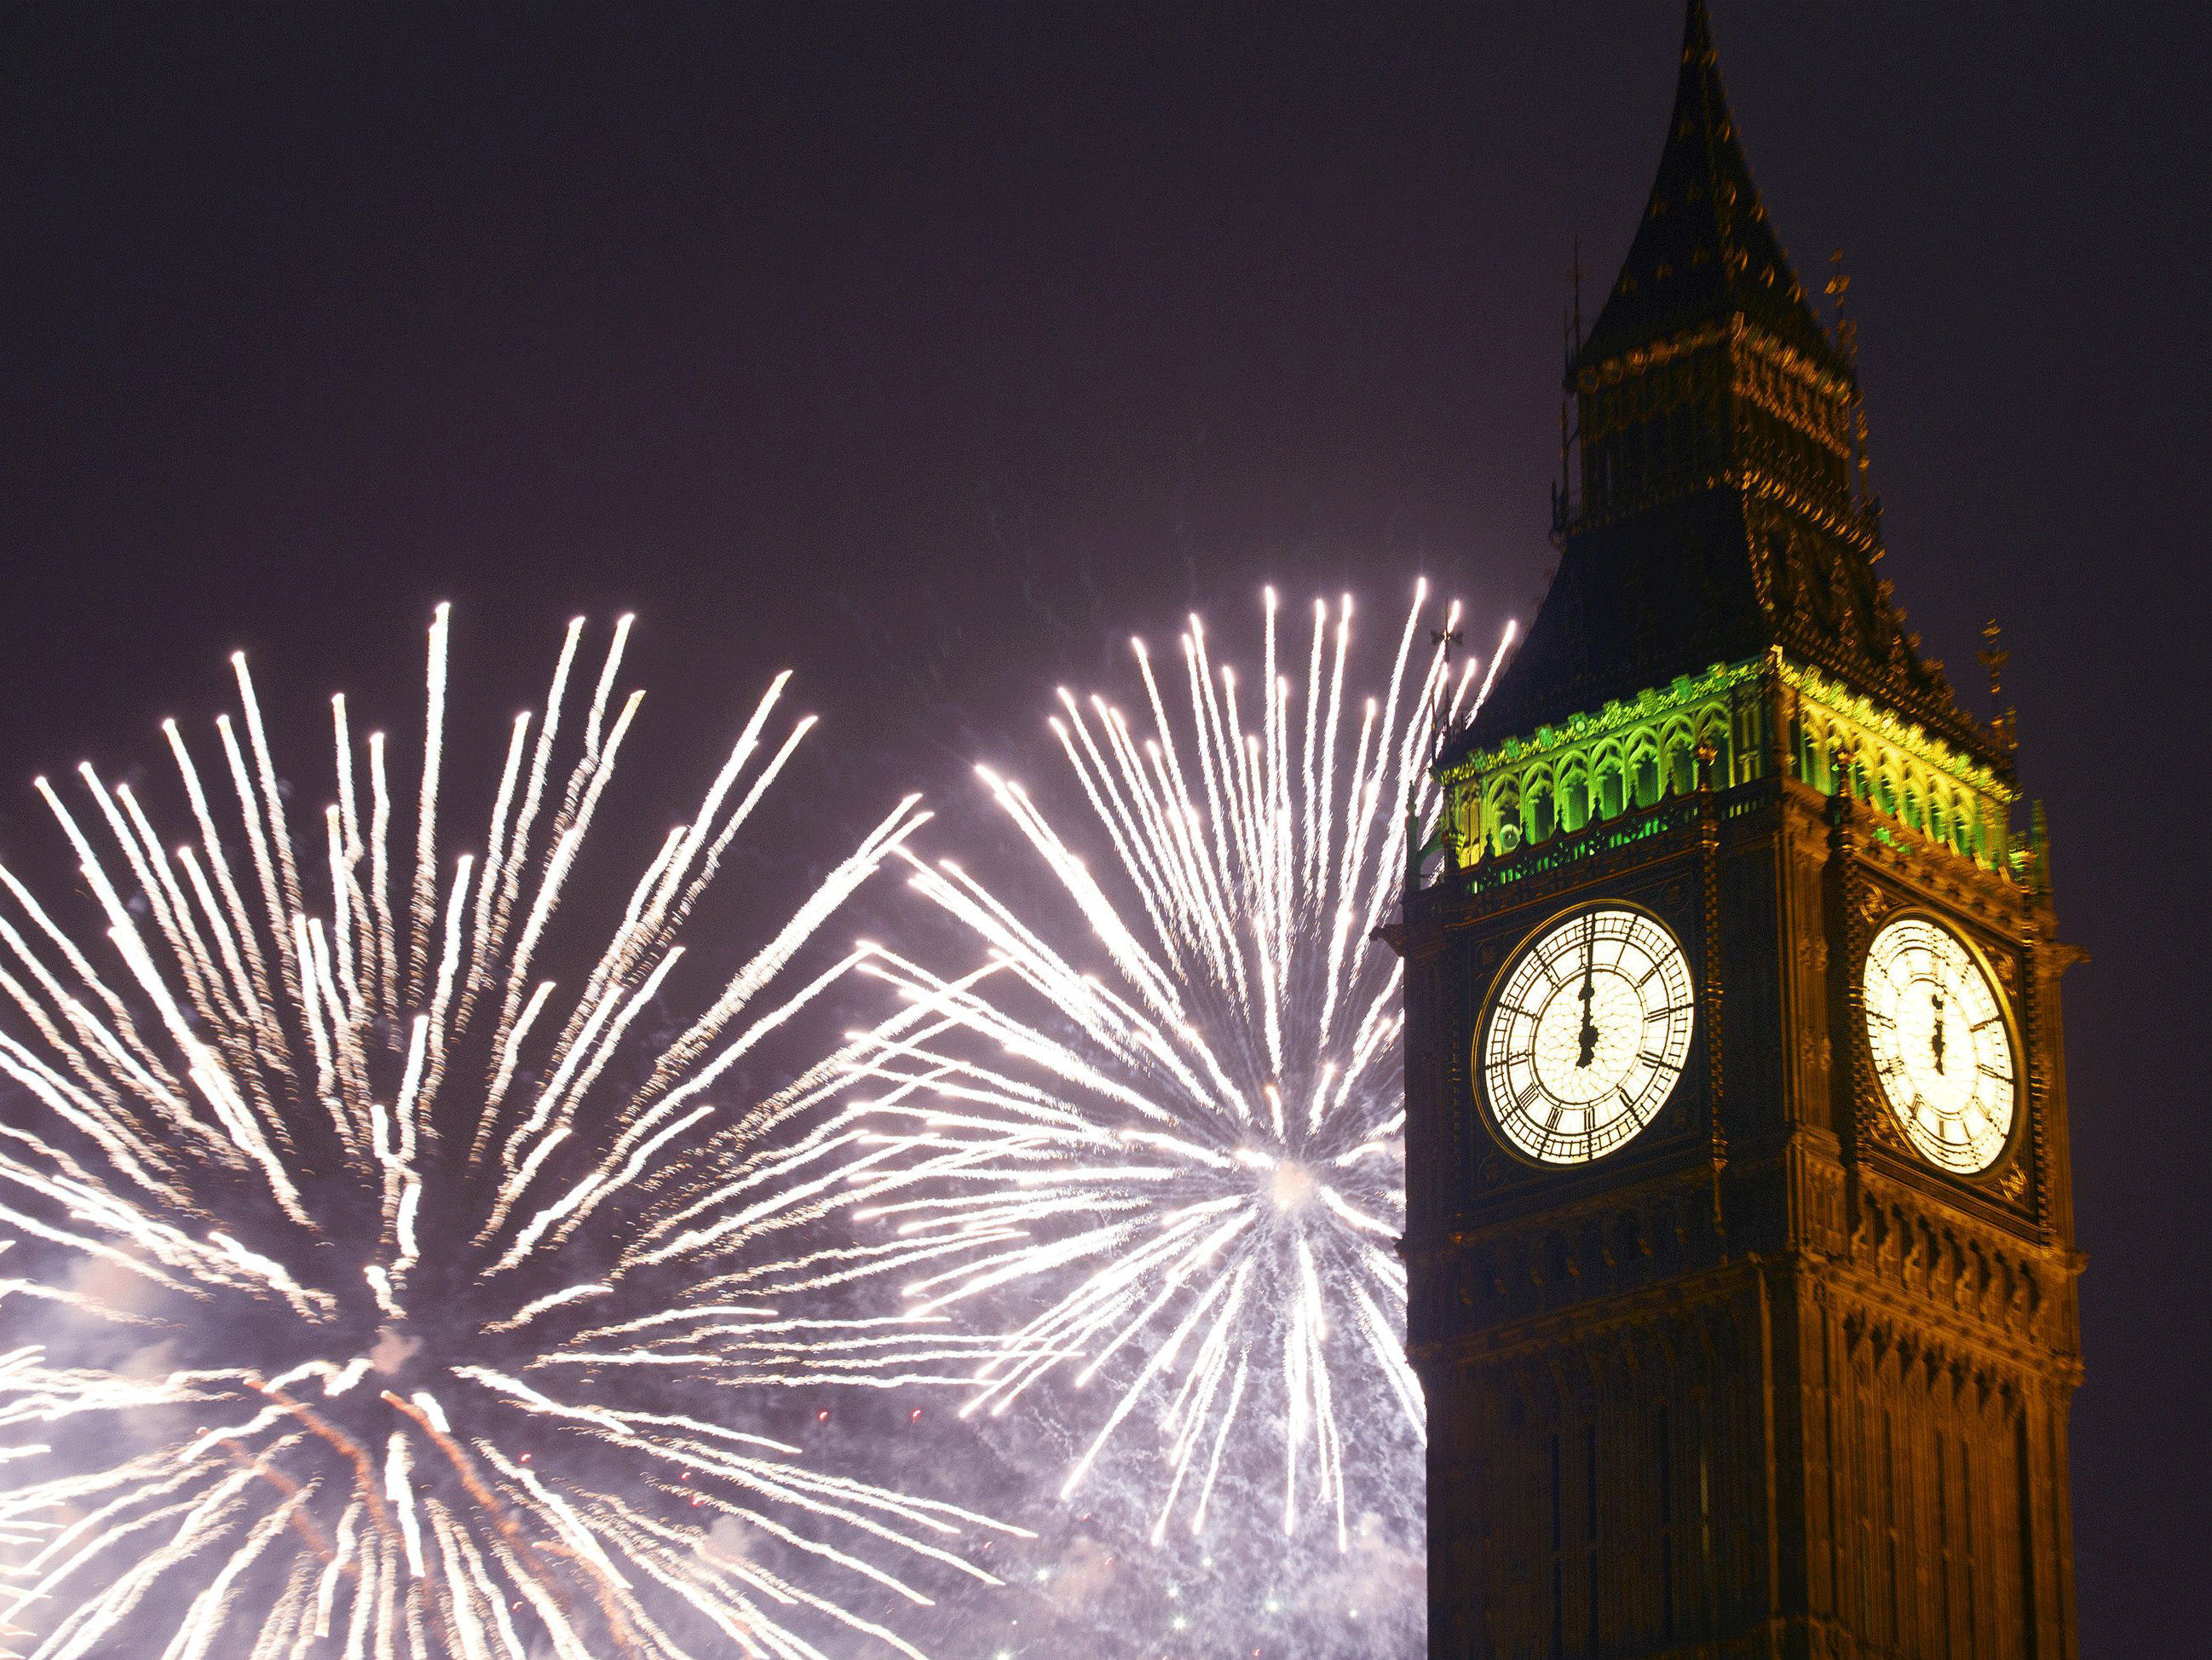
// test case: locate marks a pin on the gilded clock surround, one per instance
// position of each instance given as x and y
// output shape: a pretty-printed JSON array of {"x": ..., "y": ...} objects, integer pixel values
[{"x": 1762, "y": 1380}]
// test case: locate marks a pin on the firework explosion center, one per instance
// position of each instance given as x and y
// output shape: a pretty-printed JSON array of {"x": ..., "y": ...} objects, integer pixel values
[{"x": 1739, "y": 1220}]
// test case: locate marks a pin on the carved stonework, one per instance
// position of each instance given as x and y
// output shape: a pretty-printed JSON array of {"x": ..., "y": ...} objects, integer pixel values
[
  {"x": 1884, "y": 1126},
  {"x": 1874, "y": 904}
]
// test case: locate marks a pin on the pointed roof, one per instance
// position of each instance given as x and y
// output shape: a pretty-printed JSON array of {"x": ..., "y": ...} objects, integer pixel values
[
  {"x": 1719, "y": 560},
  {"x": 1704, "y": 249}
]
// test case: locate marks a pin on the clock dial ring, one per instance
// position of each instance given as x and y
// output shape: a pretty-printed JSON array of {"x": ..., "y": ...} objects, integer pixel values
[
  {"x": 1946, "y": 1057},
  {"x": 1585, "y": 1034}
]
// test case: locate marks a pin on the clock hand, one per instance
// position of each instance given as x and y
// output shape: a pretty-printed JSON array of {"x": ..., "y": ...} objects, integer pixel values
[
  {"x": 1589, "y": 992},
  {"x": 1935, "y": 1038}
]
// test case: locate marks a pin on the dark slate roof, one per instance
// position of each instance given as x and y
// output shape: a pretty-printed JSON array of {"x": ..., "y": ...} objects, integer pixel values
[
  {"x": 1704, "y": 249},
  {"x": 1637, "y": 602}
]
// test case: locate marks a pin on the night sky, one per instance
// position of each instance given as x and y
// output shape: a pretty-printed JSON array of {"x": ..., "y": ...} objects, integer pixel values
[{"x": 934, "y": 350}]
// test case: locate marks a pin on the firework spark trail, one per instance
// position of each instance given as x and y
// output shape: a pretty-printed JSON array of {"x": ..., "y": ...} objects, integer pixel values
[
  {"x": 1192, "y": 1153},
  {"x": 385, "y": 1395}
]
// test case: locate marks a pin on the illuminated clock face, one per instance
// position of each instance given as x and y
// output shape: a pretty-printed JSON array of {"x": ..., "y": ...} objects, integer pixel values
[
  {"x": 1943, "y": 1053},
  {"x": 1587, "y": 1035}
]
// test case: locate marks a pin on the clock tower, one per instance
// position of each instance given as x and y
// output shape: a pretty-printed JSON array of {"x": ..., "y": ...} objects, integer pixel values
[{"x": 1739, "y": 1231}]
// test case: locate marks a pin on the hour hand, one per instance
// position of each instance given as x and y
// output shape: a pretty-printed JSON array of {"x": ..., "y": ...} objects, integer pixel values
[{"x": 1589, "y": 1026}]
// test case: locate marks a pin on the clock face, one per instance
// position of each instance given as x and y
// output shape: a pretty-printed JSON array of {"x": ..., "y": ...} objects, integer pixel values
[
  {"x": 1586, "y": 1035},
  {"x": 1942, "y": 1052}
]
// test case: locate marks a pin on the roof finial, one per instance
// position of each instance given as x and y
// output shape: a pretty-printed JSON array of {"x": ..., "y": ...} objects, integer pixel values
[
  {"x": 1994, "y": 657},
  {"x": 1847, "y": 345},
  {"x": 1847, "y": 332},
  {"x": 1444, "y": 639},
  {"x": 1697, "y": 34}
]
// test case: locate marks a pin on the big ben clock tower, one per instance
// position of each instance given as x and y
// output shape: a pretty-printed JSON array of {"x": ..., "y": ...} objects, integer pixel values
[{"x": 1742, "y": 1254}]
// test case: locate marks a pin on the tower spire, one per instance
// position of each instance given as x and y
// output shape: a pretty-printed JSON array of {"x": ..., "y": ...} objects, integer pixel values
[
  {"x": 1993, "y": 657},
  {"x": 1703, "y": 249},
  {"x": 1715, "y": 503}
]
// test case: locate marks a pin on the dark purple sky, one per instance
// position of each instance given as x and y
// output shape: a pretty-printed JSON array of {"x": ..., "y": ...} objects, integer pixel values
[{"x": 934, "y": 350}]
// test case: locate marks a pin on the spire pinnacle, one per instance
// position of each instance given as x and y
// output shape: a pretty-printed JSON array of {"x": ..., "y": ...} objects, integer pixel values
[
  {"x": 1704, "y": 249},
  {"x": 1994, "y": 657},
  {"x": 1698, "y": 34}
]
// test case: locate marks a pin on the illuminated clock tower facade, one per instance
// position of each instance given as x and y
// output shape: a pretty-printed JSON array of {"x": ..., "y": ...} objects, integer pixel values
[{"x": 1739, "y": 1237}]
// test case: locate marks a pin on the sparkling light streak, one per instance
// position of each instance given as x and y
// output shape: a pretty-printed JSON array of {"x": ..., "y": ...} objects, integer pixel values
[
  {"x": 376, "y": 1297},
  {"x": 1164, "y": 1107}
]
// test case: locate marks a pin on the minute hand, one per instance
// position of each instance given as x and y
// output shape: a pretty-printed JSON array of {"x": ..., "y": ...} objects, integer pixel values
[{"x": 1589, "y": 993}]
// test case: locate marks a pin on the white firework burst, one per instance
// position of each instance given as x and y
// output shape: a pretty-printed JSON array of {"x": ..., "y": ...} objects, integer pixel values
[
  {"x": 1167, "y": 1101},
  {"x": 388, "y": 1301}
]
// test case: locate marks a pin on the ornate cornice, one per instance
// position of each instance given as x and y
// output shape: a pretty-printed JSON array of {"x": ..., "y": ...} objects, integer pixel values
[
  {"x": 1898, "y": 727},
  {"x": 1616, "y": 715},
  {"x": 1736, "y": 329}
]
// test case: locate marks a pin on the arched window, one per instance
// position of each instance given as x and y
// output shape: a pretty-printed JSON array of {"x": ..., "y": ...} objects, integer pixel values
[
  {"x": 1504, "y": 814},
  {"x": 1643, "y": 768},
  {"x": 1606, "y": 797},
  {"x": 1713, "y": 731},
  {"x": 1819, "y": 772},
  {"x": 1680, "y": 757},
  {"x": 1573, "y": 793},
  {"x": 1885, "y": 791},
  {"x": 1912, "y": 819},
  {"x": 1538, "y": 810}
]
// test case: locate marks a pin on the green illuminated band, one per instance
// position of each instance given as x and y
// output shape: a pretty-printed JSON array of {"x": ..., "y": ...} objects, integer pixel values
[{"x": 1635, "y": 753}]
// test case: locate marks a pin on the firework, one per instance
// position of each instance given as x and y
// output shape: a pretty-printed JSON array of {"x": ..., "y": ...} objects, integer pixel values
[
  {"x": 1167, "y": 1101},
  {"x": 391, "y": 1301}
]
